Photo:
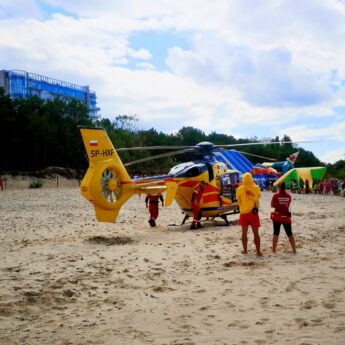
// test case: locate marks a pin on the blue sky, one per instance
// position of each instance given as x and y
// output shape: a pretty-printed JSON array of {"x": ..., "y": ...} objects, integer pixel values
[
  {"x": 158, "y": 44},
  {"x": 224, "y": 65}
]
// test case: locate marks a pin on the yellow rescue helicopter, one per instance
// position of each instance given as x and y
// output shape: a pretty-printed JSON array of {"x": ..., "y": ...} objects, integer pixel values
[{"x": 107, "y": 184}]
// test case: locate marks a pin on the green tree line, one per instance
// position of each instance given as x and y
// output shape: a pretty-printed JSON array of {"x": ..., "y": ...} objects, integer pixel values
[{"x": 37, "y": 134}]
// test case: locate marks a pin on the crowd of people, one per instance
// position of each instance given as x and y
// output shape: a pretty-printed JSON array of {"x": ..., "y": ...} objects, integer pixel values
[{"x": 326, "y": 187}]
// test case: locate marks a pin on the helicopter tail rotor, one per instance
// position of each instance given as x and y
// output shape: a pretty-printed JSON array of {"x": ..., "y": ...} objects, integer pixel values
[{"x": 106, "y": 184}]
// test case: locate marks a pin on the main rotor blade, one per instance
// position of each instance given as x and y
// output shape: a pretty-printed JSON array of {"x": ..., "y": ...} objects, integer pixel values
[
  {"x": 138, "y": 148},
  {"x": 154, "y": 148},
  {"x": 167, "y": 154},
  {"x": 252, "y": 154},
  {"x": 264, "y": 143}
]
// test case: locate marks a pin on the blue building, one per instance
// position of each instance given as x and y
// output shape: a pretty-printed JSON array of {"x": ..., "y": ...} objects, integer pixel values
[{"x": 21, "y": 84}]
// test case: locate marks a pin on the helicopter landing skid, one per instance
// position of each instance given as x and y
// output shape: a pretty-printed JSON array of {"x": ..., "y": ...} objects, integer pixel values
[
  {"x": 224, "y": 216},
  {"x": 185, "y": 219}
]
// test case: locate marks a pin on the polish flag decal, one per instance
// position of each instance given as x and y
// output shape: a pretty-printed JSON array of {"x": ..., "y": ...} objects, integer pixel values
[{"x": 93, "y": 143}]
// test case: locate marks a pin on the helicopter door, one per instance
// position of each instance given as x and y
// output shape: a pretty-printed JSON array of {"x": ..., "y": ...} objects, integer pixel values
[{"x": 229, "y": 183}]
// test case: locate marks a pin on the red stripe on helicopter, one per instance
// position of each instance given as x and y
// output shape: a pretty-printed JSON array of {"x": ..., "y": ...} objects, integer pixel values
[
  {"x": 170, "y": 179},
  {"x": 211, "y": 198},
  {"x": 211, "y": 188},
  {"x": 189, "y": 184}
]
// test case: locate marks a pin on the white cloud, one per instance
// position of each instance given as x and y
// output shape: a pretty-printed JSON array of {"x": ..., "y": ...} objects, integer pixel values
[
  {"x": 335, "y": 131},
  {"x": 139, "y": 54},
  {"x": 145, "y": 65},
  {"x": 329, "y": 145},
  {"x": 334, "y": 155},
  {"x": 265, "y": 78}
]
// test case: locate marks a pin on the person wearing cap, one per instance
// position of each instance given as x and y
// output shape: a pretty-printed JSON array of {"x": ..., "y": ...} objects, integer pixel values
[
  {"x": 281, "y": 215},
  {"x": 248, "y": 195},
  {"x": 196, "y": 200}
]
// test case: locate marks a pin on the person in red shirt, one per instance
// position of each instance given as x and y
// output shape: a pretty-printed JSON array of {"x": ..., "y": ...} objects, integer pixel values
[
  {"x": 281, "y": 215},
  {"x": 152, "y": 202},
  {"x": 196, "y": 200}
]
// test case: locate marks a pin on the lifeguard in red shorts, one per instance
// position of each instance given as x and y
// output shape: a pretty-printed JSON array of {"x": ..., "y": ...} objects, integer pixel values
[
  {"x": 152, "y": 202},
  {"x": 196, "y": 200},
  {"x": 248, "y": 195}
]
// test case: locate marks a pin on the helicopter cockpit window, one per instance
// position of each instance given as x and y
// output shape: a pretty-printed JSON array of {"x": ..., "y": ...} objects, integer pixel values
[
  {"x": 192, "y": 172},
  {"x": 189, "y": 169},
  {"x": 180, "y": 168}
]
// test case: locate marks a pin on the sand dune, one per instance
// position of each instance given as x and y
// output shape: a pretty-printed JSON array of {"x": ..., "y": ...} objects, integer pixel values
[{"x": 67, "y": 279}]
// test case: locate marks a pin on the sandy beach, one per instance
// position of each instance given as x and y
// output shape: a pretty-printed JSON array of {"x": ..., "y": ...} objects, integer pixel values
[{"x": 67, "y": 279}]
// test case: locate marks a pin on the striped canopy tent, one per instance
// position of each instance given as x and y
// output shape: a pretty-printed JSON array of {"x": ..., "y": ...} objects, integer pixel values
[{"x": 298, "y": 174}]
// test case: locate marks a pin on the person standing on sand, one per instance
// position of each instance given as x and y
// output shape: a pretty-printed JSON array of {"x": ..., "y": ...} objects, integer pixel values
[
  {"x": 152, "y": 202},
  {"x": 281, "y": 215},
  {"x": 196, "y": 200},
  {"x": 248, "y": 195}
]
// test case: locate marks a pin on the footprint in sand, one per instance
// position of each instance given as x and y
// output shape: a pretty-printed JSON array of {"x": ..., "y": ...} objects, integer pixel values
[
  {"x": 264, "y": 301},
  {"x": 291, "y": 287},
  {"x": 162, "y": 289},
  {"x": 340, "y": 329},
  {"x": 308, "y": 304},
  {"x": 230, "y": 304},
  {"x": 329, "y": 305},
  {"x": 185, "y": 341},
  {"x": 301, "y": 322}
]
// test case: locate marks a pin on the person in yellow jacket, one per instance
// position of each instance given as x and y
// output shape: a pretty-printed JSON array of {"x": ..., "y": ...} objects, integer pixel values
[{"x": 248, "y": 195}]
